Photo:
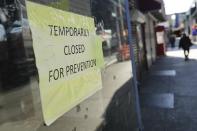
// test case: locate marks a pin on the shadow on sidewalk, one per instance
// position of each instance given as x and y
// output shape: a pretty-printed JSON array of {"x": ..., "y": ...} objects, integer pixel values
[{"x": 120, "y": 114}]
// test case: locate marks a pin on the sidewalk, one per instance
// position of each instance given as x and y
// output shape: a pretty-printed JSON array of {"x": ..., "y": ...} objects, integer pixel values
[{"x": 169, "y": 93}]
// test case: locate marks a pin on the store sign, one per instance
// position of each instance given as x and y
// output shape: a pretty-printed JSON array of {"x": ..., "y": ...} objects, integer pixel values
[
  {"x": 68, "y": 57},
  {"x": 160, "y": 38}
]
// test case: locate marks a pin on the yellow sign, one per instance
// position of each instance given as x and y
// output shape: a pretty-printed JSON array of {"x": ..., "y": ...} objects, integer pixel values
[{"x": 68, "y": 57}]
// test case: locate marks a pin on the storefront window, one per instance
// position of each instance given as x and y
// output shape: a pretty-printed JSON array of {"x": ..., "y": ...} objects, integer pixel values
[{"x": 111, "y": 108}]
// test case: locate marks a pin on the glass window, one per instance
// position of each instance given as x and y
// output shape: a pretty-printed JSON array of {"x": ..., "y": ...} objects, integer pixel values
[{"x": 110, "y": 109}]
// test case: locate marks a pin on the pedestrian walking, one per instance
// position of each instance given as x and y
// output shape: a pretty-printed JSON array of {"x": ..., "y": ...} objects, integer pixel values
[
  {"x": 185, "y": 44},
  {"x": 172, "y": 41}
]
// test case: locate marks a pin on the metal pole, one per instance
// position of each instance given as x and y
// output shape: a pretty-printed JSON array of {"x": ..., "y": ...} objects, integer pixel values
[{"x": 135, "y": 88}]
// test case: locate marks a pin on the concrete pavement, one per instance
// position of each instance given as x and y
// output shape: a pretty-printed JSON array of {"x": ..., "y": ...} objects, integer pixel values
[{"x": 169, "y": 93}]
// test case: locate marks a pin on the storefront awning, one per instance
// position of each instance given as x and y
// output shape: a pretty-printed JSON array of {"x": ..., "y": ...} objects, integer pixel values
[
  {"x": 149, "y": 5},
  {"x": 159, "y": 16}
]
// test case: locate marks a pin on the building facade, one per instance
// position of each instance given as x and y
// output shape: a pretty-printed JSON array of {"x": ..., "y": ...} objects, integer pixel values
[{"x": 112, "y": 108}]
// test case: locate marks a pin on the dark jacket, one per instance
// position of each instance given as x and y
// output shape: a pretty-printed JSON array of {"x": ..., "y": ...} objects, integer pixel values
[
  {"x": 172, "y": 39},
  {"x": 185, "y": 43}
]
